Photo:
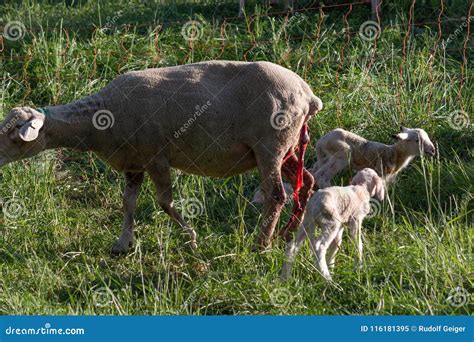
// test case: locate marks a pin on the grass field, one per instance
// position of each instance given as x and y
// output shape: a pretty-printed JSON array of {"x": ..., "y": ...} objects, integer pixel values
[{"x": 62, "y": 210}]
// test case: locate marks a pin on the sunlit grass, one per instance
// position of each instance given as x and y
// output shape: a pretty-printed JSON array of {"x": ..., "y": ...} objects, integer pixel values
[{"x": 54, "y": 257}]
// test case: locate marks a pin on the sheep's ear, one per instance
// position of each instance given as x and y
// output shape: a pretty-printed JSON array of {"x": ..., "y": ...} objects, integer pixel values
[
  {"x": 403, "y": 129},
  {"x": 400, "y": 136},
  {"x": 29, "y": 130},
  {"x": 378, "y": 190}
]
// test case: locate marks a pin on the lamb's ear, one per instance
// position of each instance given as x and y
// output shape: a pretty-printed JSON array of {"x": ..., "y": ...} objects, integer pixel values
[
  {"x": 378, "y": 189},
  {"x": 400, "y": 136},
  {"x": 29, "y": 130},
  {"x": 403, "y": 129}
]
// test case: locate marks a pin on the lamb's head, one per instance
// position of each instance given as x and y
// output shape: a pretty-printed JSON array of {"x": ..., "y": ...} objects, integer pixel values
[
  {"x": 415, "y": 141},
  {"x": 369, "y": 178},
  {"x": 20, "y": 134}
]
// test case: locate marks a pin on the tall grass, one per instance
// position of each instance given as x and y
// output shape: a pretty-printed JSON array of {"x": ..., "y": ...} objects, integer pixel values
[{"x": 54, "y": 257}]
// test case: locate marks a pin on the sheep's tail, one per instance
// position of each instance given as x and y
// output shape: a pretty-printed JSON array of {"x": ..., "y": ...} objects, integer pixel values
[{"x": 315, "y": 105}]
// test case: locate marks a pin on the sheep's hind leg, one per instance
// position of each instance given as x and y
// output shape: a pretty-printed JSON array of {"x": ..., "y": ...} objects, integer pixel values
[
  {"x": 334, "y": 247},
  {"x": 320, "y": 245},
  {"x": 274, "y": 194},
  {"x": 293, "y": 248},
  {"x": 331, "y": 168},
  {"x": 161, "y": 177},
  {"x": 133, "y": 181}
]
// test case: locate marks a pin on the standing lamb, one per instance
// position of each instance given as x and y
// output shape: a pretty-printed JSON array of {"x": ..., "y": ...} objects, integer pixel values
[
  {"x": 214, "y": 118},
  {"x": 340, "y": 149},
  {"x": 330, "y": 209}
]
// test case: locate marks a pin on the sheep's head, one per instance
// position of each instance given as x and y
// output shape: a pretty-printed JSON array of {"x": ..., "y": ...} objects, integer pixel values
[
  {"x": 369, "y": 178},
  {"x": 415, "y": 141},
  {"x": 20, "y": 134}
]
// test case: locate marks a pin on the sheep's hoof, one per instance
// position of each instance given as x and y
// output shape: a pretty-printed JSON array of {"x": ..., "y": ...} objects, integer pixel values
[
  {"x": 262, "y": 246},
  {"x": 327, "y": 277},
  {"x": 119, "y": 248}
]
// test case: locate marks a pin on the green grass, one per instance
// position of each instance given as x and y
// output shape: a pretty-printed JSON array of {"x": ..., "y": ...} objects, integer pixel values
[{"x": 54, "y": 257}]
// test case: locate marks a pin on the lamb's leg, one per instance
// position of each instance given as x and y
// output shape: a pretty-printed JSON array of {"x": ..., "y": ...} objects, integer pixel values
[
  {"x": 331, "y": 168},
  {"x": 334, "y": 247},
  {"x": 293, "y": 248},
  {"x": 133, "y": 181},
  {"x": 161, "y": 177},
  {"x": 319, "y": 247},
  {"x": 289, "y": 171},
  {"x": 355, "y": 228},
  {"x": 275, "y": 196}
]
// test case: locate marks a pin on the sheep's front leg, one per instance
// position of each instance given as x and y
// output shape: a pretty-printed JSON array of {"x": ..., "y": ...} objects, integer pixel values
[
  {"x": 133, "y": 181},
  {"x": 356, "y": 232},
  {"x": 161, "y": 177}
]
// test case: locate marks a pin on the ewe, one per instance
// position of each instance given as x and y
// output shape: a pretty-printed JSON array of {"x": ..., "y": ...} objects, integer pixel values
[
  {"x": 330, "y": 209},
  {"x": 154, "y": 125}
]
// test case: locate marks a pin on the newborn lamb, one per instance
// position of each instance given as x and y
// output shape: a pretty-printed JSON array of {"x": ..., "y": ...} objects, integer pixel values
[{"x": 330, "y": 209}]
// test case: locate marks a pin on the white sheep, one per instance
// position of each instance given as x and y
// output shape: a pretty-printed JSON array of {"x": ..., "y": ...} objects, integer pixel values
[
  {"x": 340, "y": 149},
  {"x": 331, "y": 209},
  {"x": 214, "y": 118}
]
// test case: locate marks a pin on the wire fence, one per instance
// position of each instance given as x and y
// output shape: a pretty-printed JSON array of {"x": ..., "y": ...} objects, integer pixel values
[{"x": 349, "y": 32}]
